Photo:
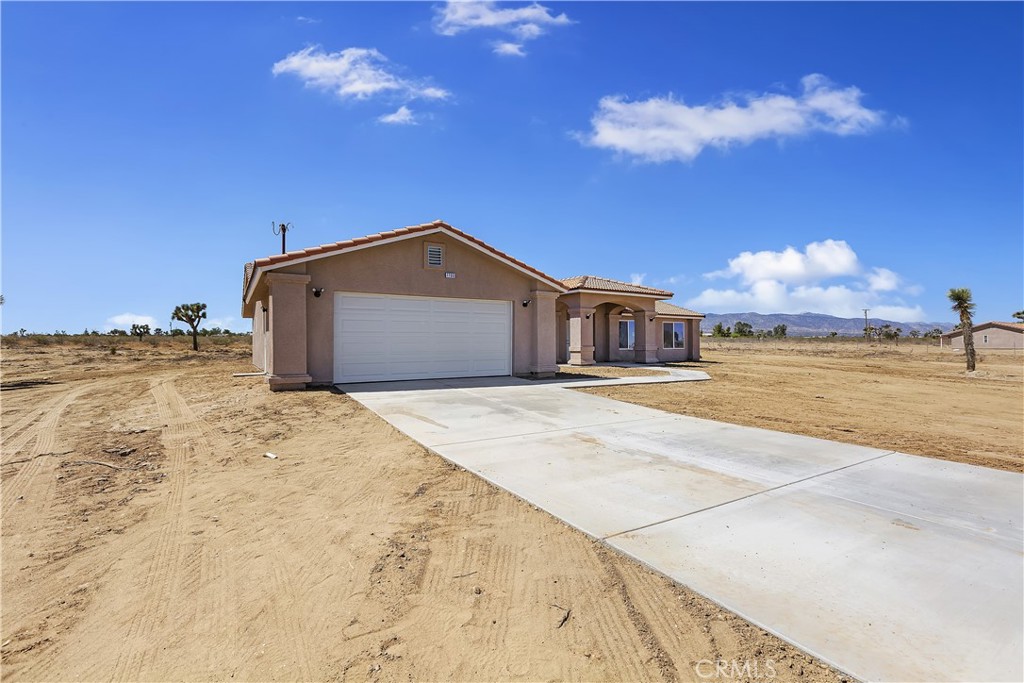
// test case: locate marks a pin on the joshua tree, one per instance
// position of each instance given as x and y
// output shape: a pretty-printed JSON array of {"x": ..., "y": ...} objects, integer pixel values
[
  {"x": 191, "y": 315},
  {"x": 139, "y": 331},
  {"x": 963, "y": 306},
  {"x": 1019, "y": 315}
]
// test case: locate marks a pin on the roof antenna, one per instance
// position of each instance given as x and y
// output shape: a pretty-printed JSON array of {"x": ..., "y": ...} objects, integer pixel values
[{"x": 282, "y": 230}]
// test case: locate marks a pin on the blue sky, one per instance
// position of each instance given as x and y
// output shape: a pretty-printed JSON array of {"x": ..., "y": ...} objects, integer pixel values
[{"x": 777, "y": 157}]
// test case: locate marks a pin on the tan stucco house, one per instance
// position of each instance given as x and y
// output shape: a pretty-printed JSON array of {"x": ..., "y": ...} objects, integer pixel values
[
  {"x": 431, "y": 301},
  {"x": 990, "y": 335}
]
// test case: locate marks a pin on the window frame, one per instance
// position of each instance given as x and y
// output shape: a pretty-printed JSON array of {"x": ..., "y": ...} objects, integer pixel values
[
  {"x": 630, "y": 326},
  {"x": 670, "y": 324}
]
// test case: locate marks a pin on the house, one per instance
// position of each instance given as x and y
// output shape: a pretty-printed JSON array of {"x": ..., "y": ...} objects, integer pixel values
[
  {"x": 431, "y": 301},
  {"x": 990, "y": 335}
]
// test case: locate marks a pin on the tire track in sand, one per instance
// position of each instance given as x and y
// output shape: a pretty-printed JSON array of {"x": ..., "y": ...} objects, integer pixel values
[
  {"x": 182, "y": 438},
  {"x": 44, "y": 432},
  {"x": 284, "y": 594},
  {"x": 17, "y": 435}
]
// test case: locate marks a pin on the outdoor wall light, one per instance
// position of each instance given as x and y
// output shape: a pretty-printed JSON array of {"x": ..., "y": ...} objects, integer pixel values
[
  {"x": 317, "y": 291},
  {"x": 526, "y": 302},
  {"x": 588, "y": 316},
  {"x": 651, "y": 319}
]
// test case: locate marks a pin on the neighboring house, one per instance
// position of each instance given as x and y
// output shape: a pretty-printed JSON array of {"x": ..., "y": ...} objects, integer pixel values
[
  {"x": 991, "y": 335},
  {"x": 431, "y": 301}
]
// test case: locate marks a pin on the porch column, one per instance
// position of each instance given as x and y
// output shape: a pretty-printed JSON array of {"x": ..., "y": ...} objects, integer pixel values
[
  {"x": 287, "y": 351},
  {"x": 693, "y": 340},
  {"x": 543, "y": 363},
  {"x": 645, "y": 348},
  {"x": 581, "y": 336}
]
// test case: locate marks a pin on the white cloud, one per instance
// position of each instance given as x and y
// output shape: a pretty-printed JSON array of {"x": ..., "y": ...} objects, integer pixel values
[
  {"x": 124, "y": 321},
  {"x": 663, "y": 129},
  {"x": 509, "y": 49},
  {"x": 883, "y": 280},
  {"x": 824, "y": 277},
  {"x": 223, "y": 323},
  {"x": 674, "y": 280},
  {"x": 523, "y": 23},
  {"x": 637, "y": 278},
  {"x": 818, "y": 260},
  {"x": 306, "y": 20},
  {"x": 354, "y": 73},
  {"x": 403, "y": 116}
]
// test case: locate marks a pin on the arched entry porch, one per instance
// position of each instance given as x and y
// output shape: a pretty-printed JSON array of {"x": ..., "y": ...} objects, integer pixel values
[{"x": 596, "y": 328}]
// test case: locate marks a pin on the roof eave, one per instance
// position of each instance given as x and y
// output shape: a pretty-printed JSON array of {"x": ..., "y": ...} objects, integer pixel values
[
  {"x": 402, "y": 234},
  {"x": 585, "y": 290}
]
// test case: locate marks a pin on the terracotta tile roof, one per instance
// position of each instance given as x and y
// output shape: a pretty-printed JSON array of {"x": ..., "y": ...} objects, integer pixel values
[
  {"x": 665, "y": 308},
  {"x": 247, "y": 275},
  {"x": 1013, "y": 327},
  {"x": 329, "y": 249},
  {"x": 592, "y": 282}
]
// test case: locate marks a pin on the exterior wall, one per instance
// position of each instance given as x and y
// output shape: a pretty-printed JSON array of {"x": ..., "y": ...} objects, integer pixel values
[
  {"x": 691, "y": 337},
  {"x": 663, "y": 355},
  {"x": 561, "y": 333},
  {"x": 998, "y": 338},
  {"x": 399, "y": 268},
  {"x": 286, "y": 351},
  {"x": 614, "y": 353},
  {"x": 260, "y": 335}
]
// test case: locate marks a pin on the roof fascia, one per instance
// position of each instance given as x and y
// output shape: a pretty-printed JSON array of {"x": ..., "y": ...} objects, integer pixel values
[
  {"x": 560, "y": 288},
  {"x": 658, "y": 297}
]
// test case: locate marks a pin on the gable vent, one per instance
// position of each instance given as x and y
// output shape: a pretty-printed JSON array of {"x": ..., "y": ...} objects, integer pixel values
[{"x": 435, "y": 256}]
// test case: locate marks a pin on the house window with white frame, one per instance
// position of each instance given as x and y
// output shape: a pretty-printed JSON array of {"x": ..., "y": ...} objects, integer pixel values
[
  {"x": 674, "y": 335},
  {"x": 627, "y": 335}
]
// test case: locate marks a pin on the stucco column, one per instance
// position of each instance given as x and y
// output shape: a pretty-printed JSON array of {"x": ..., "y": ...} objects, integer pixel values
[
  {"x": 693, "y": 341},
  {"x": 287, "y": 350},
  {"x": 543, "y": 362},
  {"x": 645, "y": 349},
  {"x": 581, "y": 336}
]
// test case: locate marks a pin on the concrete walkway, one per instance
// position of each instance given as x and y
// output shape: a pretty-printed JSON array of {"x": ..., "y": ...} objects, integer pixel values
[{"x": 887, "y": 566}]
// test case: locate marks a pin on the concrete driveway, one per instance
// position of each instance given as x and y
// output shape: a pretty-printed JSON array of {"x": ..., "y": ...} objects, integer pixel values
[{"x": 887, "y": 566}]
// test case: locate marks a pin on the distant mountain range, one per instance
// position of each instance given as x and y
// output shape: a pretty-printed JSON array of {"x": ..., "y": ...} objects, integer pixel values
[{"x": 812, "y": 324}]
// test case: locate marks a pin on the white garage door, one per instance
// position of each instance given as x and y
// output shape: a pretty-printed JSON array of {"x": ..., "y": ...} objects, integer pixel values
[{"x": 379, "y": 337}]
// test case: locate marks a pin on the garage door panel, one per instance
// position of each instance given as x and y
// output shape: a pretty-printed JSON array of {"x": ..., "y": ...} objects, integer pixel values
[{"x": 380, "y": 337}]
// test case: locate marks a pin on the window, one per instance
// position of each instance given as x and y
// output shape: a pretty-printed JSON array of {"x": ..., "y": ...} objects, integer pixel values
[
  {"x": 435, "y": 256},
  {"x": 675, "y": 335},
  {"x": 627, "y": 334},
  {"x": 984, "y": 339}
]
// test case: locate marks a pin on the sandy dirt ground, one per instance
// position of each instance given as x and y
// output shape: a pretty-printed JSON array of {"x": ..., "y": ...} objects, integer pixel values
[
  {"x": 145, "y": 536},
  {"x": 911, "y": 398}
]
